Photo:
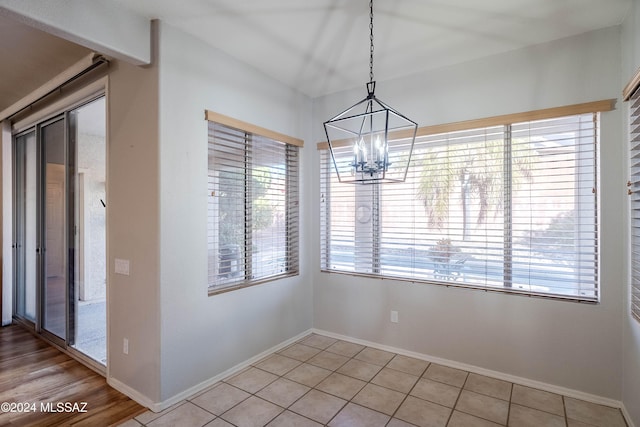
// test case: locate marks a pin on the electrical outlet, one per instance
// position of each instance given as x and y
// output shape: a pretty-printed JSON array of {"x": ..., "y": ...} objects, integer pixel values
[
  {"x": 394, "y": 316},
  {"x": 125, "y": 346},
  {"x": 122, "y": 266}
]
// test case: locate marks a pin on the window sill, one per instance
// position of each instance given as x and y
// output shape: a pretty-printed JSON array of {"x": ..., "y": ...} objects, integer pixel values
[{"x": 221, "y": 289}]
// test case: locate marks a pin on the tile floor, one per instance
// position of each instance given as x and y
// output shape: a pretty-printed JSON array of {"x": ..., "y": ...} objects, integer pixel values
[{"x": 322, "y": 381}]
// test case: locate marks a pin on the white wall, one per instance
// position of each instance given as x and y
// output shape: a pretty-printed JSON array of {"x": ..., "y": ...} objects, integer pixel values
[
  {"x": 571, "y": 345},
  {"x": 631, "y": 335},
  {"x": 203, "y": 336},
  {"x": 133, "y": 230}
]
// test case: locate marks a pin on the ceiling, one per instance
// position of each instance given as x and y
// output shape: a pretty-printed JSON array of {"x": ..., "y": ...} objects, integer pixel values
[
  {"x": 30, "y": 58},
  {"x": 322, "y": 46}
]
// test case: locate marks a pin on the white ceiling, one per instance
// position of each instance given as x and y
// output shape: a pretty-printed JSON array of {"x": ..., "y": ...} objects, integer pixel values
[{"x": 322, "y": 46}]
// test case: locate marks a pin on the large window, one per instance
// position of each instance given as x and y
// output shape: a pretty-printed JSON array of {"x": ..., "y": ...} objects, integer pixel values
[
  {"x": 510, "y": 207},
  {"x": 252, "y": 208}
]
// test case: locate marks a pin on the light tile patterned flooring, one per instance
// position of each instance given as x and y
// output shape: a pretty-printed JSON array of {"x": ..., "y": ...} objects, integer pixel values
[{"x": 323, "y": 381}]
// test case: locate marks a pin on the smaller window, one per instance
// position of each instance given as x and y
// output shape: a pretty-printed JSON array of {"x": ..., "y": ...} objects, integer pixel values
[{"x": 252, "y": 208}]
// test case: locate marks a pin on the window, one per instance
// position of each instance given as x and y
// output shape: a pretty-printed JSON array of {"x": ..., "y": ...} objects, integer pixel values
[
  {"x": 634, "y": 193},
  {"x": 252, "y": 205},
  {"x": 510, "y": 207}
]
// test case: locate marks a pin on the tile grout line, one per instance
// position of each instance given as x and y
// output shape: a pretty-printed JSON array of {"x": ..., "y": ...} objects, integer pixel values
[
  {"x": 408, "y": 393},
  {"x": 366, "y": 382},
  {"x": 333, "y": 371},
  {"x": 392, "y": 416},
  {"x": 254, "y": 394},
  {"x": 458, "y": 398},
  {"x": 509, "y": 405},
  {"x": 482, "y": 394},
  {"x": 310, "y": 388},
  {"x": 350, "y": 400},
  {"x": 283, "y": 377}
]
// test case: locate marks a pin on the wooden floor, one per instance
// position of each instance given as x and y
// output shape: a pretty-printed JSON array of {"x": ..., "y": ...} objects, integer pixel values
[{"x": 38, "y": 378}]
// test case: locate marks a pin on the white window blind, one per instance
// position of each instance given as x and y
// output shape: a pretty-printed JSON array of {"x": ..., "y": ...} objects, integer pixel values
[
  {"x": 634, "y": 192},
  {"x": 252, "y": 208},
  {"x": 510, "y": 207}
]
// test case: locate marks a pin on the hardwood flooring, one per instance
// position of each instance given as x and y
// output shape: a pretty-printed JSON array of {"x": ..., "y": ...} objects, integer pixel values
[{"x": 45, "y": 387}]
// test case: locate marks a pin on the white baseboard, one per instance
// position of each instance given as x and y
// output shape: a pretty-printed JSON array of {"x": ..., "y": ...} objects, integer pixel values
[
  {"x": 191, "y": 392},
  {"x": 487, "y": 372},
  {"x": 627, "y": 416},
  {"x": 132, "y": 393}
]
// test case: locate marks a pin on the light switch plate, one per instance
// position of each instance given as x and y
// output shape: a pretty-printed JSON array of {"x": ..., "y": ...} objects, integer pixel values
[
  {"x": 122, "y": 266},
  {"x": 394, "y": 316}
]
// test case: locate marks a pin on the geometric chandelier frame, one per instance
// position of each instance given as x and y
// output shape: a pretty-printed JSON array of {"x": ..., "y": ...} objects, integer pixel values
[{"x": 370, "y": 142}]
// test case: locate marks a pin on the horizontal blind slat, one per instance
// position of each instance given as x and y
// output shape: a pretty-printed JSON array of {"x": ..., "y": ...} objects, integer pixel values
[{"x": 634, "y": 157}]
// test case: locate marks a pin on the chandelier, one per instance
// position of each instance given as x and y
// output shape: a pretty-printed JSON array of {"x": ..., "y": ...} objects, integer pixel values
[{"x": 370, "y": 142}]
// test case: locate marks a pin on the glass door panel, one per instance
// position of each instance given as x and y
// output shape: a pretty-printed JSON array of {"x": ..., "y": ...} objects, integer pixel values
[
  {"x": 25, "y": 229},
  {"x": 88, "y": 137},
  {"x": 54, "y": 287}
]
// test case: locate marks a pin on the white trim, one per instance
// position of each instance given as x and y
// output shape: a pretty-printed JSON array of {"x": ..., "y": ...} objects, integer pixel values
[
  {"x": 198, "y": 388},
  {"x": 481, "y": 371},
  {"x": 107, "y": 176},
  {"x": 132, "y": 393},
  {"x": 627, "y": 416}
]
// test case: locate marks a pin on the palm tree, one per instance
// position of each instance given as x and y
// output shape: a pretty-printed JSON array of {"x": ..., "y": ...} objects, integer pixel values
[{"x": 477, "y": 171}]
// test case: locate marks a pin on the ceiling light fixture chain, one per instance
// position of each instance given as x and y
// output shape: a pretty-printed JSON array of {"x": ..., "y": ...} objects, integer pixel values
[{"x": 371, "y": 41}]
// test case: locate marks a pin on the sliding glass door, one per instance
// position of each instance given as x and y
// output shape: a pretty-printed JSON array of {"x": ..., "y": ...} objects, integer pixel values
[{"x": 59, "y": 229}]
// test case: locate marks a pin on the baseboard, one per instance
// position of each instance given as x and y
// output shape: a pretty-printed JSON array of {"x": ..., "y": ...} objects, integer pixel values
[
  {"x": 130, "y": 392},
  {"x": 190, "y": 392},
  {"x": 487, "y": 372},
  {"x": 627, "y": 416}
]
